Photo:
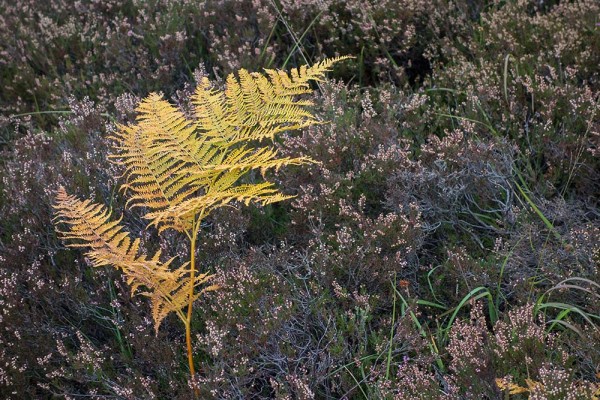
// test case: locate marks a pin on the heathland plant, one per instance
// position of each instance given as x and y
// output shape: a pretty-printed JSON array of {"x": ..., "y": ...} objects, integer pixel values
[{"x": 180, "y": 169}]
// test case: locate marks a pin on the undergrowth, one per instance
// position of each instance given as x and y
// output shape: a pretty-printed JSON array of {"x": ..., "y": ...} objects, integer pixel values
[{"x": 446, "y": 243}]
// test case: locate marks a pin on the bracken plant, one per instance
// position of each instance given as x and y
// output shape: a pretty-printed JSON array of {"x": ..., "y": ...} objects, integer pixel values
[{"x": 180, "y": 169}]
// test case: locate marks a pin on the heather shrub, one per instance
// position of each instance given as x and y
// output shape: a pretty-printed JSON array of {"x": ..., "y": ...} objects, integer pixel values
[
  {"x": 259, "y": 345},
  {"x": 520, "y": 341},
  {"x": 51, "y": 51},
  {"x": 538, "y": 257},
  {"x": 519, "y": 351},
  {"x": 445, "y": 245},
  {"x": 556, "y": 383},
  {"x": 545, "y": 100},
  {"x": 461, "y": 185},
  {"x": 471, "y": 358},
  {"x": 416, "y": 383}
]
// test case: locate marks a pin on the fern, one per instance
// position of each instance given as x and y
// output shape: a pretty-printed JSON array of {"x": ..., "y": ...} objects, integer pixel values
[
  {"x": 179, "y": 170},
  {"x": 91, "y": 227}
]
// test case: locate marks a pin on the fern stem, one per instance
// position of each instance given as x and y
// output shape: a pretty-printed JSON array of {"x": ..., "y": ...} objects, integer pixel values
[
  {"x": 188, "y": 338},
  {"x": 188, "y": 322}
]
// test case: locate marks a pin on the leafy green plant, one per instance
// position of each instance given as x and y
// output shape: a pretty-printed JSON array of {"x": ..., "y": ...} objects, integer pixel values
[{"x": 179, "y": 170}]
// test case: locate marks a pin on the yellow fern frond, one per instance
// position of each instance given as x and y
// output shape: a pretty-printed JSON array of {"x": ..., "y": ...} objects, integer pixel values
[
  {"x": 158, "y": 154},
  {"x": 257, "y": 106},
  {"x": 170, "y": 131},
  {"x": 511, "y": 388},
  {"x": 213, "y": 118},
  {"x": 253, "y": 107},
  {"x": 262, "y": 159},
  {"x": 90, "y": 226},
  {"x": 262, "y": 193},
  {"x": 317, "y": 72}
]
